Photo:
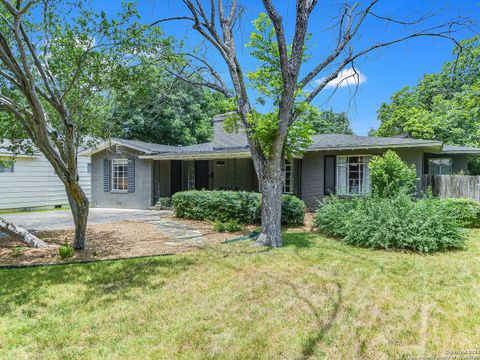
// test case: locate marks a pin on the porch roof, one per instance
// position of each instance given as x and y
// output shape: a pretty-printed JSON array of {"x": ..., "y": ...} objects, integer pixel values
[{"x": 453, "y": 149}]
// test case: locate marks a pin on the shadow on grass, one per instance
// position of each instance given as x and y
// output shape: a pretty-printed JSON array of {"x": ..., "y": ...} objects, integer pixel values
[
  {"x": 101, "y": 280},
  {"x": 300, "y": 240},
  {"x": 324, "y": 325}
]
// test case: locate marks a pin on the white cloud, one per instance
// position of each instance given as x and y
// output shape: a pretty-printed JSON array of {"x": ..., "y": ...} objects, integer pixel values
[{"x": 347, "y": 77}]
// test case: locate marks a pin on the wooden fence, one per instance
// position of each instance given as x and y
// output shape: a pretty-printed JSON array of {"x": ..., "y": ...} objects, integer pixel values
[{"x": 453, "y": 186}]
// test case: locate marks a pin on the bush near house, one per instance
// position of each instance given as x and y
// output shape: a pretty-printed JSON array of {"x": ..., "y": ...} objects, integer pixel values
[
  {"x": 227, "y": 206},
  {"x": 425, "y": 225},
  {"x": 391, "y": 176},
  {"x": 466, "y": 211}
]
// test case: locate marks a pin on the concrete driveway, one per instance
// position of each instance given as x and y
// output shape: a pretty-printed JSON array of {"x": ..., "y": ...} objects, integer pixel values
[{"x": 62, "y": 219}]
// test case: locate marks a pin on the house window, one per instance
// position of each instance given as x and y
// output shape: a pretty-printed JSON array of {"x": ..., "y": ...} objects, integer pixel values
[
  {"x": 5, "y": 168},
  {"x": 353, "y": 176},
  {"x": 120, "y": 175},
  {"x": 440, "y": 166},
  {"x": 89, "y": 168},
  {"x": 288, "y": 183}
]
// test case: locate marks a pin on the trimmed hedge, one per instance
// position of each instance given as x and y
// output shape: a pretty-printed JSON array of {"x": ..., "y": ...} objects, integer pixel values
[
  {"x": 424, "y": 226},
  {"x": 226, "y": 206}
]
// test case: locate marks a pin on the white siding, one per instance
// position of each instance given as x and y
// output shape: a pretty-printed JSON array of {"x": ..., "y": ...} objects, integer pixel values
[{"x": 34, "y": 184}]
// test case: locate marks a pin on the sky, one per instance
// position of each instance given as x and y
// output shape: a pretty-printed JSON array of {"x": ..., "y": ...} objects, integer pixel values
[{"x": 383, "y": 72}]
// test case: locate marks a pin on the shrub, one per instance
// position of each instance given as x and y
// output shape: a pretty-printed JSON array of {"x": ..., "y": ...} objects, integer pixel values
[
  {"x": 165, "y": 202},
  {"x": 332, "y": 214},
  {"x": 396, "y": 223},
  {"x": 226, "y": 206},
  {"x": 231, "y": 226},
  {"x": 391, "y": 176},
  {"x": 66, "y": 250},
  {"x": 466, "y": 211}
]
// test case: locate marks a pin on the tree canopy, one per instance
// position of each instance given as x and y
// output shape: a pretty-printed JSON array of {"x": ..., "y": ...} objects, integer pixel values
[
  {"x": 442, "y": 106},
  {"x": 161, "y": 108},
  {"x": 327, "y": 122}
]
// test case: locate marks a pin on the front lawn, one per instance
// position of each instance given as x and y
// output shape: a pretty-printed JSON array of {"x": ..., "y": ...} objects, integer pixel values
[{"x": 314, "y": 298}]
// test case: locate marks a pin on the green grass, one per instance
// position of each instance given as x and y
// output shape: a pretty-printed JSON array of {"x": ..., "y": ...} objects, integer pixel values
[{"x": 313, "y": 298}]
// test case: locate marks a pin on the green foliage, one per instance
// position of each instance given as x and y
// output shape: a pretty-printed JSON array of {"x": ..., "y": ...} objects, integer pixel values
[
  {"x": 466, "y": 211},
  {"x": 327, "y": 122},
  {"x": 165, "y": 202},
  {"x": 89, "y": 56},
  {"x": 267, "y": 81},
  {"x": 423, "y": 226},
  {"x": 390, "y": 175},
  {"x": 157, "y": 107},
  {"x": 237, "y": 206},
  {"x": 66, "y": 250},
  {"x": 230, "y": 226},
  {"x": 442, "y": 106}
]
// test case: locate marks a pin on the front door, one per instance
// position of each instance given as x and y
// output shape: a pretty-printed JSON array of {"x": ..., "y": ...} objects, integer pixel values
[
  {"x": 201, "y": 174},
  {"x": 176, "y": 176}
]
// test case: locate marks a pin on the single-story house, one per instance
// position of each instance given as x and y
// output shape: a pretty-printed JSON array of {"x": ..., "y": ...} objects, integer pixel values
[
  {"x": 134, "y": 174},
  {"x": 29, "y": 181}
]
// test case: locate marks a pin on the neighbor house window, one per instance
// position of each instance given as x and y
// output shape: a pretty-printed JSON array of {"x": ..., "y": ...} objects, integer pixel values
[
  {"x": 353, "y": 177},
  {"x": 440, "y": 166},
  {"x": 6, "y": 168},
  {"x": 288, "y": 184},
  {"x": 120, "y": 175},
  {"x": 89, "y": 168}
]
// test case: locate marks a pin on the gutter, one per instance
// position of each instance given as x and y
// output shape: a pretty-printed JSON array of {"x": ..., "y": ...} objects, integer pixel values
[{"x": 367, "y": 147}]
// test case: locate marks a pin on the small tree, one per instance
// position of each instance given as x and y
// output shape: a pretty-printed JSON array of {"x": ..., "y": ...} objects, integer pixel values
[
  {"x": 56, "y": 67},
  {"x": 391, "y": 176}
]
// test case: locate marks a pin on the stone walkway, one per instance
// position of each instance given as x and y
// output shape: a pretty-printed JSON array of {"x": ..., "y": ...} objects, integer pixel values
[{"x": 178, "y": 233}]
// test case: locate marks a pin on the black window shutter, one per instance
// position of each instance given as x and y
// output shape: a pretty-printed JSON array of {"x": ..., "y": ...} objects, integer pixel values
[
  {"x": 106, "y": 175},
  {"x": 329, "y": 175},
  {"x": 131, "y": 175}
]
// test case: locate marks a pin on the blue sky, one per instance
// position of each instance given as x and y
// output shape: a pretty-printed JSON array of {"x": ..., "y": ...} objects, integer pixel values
[{"x": 385, "y": 71}]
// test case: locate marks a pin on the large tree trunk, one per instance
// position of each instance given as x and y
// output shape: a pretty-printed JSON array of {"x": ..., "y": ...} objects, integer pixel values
[
  {"x": 21, "y": 234},
  {"x": 272, "y": 188},
  {"x": 79, "y": 205}
]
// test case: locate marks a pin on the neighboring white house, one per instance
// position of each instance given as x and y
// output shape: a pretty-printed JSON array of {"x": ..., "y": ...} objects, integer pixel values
[{"x": 32, "y": 183}]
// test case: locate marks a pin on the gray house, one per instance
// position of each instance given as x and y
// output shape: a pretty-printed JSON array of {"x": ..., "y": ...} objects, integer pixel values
[{"x": 134, "y": 174}]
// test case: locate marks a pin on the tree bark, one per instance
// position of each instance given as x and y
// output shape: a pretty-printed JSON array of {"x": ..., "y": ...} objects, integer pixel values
[
  {"x": 80, "y": 206},
  {"x": 272, "y": 188},
  {"x": 21, "y": 234}
]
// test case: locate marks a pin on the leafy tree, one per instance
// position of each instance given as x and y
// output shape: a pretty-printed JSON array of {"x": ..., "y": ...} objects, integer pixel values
[
  {"x": 391, "y": 176},
  {"x": 442, "y": 106},
  {"x": 57, "y": 68},
  {"x": 327, "y": 122},
  {"x": 160, "y": 108},
  {"x": 284, "y": 73}
]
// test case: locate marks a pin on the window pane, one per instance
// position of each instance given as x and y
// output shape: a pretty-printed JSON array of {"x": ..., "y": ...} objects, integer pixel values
[
  {"x": 352, "y": 175},
  {"x": 441, "y": 166},
  {"x": 120, "y": 174}
]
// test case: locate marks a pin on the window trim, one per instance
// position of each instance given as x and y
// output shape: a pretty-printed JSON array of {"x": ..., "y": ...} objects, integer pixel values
[
  {"x": 440, "y": 166},
  {"x": 367, "y": 189},
  {"x": 116, "y": 162},
  {"x": 291, "y": 172}
]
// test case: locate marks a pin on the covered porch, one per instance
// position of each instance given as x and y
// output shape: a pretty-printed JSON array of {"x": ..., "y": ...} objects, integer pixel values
[{"x": 237, "y": 174}]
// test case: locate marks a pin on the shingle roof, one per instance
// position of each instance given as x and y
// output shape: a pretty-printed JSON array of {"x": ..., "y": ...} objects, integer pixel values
[
  {"x": 147, "y": 148},
  {"x": 453, "y": 149},
  {"x": 340, "y": 141}
]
